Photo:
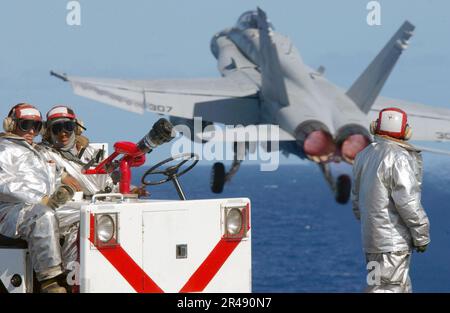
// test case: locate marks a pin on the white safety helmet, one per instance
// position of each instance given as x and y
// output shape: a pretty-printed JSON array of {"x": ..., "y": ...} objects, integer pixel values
[
  {"x": 392, "y": 122},
  {"x": 60, "y": 111},
  {"x": 64, "y": 112},
  {"x": 22, "y": 111}
]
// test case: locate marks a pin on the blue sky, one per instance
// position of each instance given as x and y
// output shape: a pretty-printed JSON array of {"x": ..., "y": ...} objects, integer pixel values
[{"x": 170, "y": 39}]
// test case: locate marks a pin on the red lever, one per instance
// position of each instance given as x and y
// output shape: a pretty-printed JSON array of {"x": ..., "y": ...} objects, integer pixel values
[{"x": 132, "y": 157}]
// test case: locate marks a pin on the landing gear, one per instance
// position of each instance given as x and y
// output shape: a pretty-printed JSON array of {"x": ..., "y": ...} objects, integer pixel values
[
  {"x": 218, "y": 175},
  {"x": 341, "y": 187}
]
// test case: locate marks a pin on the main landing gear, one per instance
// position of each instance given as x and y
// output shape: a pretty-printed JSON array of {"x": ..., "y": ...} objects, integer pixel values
[
  {"x": 341, "y": 187},
  {"x": 218, "y": 174}
]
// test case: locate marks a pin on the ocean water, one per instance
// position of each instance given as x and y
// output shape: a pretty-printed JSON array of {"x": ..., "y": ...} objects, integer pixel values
[{"x": 302, "y": 241}]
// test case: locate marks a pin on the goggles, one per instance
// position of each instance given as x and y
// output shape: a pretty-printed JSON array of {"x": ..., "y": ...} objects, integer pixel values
[
  {"x": 27, "y": 125},
  {"x": 67, "y": 126}
]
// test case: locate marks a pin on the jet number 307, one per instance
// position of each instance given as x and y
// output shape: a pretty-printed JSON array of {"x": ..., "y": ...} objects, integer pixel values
[
  {"x": 159, "y": 108},
  {"x": 443, "y": 136}
]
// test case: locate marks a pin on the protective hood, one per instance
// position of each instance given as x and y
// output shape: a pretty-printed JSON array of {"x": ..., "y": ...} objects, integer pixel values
[{"x": 54, "y": 138}]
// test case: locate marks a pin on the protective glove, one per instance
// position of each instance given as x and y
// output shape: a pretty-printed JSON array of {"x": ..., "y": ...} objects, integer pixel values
[
  {"x": 63, "y": 194},
  {"x": 71, "y": 181},
  {"x": 140, "y": 191},
  {"x": 421, "y": 249},
  {"x": 50, "y": 202}
]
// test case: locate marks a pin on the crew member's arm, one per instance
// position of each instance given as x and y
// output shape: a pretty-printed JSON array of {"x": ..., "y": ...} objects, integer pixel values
[
  {"x": 355, "y": 193},
  {"x": 71, "y": 181},
  {"x": 406, "y": 195},
  {"x": 17, "y": 184}
]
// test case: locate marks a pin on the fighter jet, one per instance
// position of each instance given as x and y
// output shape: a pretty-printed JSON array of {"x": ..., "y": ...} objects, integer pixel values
[{"x": 265, "y": 82}]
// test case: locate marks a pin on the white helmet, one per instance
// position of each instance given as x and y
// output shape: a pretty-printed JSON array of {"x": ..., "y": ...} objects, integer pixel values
[{"x": 392, "y": 122}]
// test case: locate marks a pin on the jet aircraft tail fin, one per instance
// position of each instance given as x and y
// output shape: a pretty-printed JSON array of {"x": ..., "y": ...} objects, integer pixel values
[
  {"x": 367, "y": 87},
  {"x": 273, "y": 85}
]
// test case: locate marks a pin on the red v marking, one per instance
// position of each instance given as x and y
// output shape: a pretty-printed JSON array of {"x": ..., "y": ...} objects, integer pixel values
[
  {"x": 126, "y": 266},
  {"x": 209, "y": 268},
  {"x": 141, "y": 282}
]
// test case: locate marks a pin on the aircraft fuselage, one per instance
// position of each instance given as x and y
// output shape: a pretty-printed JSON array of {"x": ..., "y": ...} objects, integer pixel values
[{"x": 318, "y": 114}]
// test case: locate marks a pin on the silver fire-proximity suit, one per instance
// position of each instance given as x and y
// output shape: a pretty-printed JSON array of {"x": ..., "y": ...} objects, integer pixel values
[
  {"x": 73, "y": 163},
  {"x": 25, "y": 178},
  {"x": 69, "y": 215},
  {"x": 386, "y": 197}
]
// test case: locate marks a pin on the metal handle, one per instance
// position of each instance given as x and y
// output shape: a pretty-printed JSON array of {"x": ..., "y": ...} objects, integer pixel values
[
  {"x": 104, "y": 195},
  {"x": 178, "y": 187}
]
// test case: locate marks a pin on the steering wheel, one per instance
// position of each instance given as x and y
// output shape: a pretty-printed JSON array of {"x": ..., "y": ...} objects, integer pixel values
[{"x": 171, "y": 172}]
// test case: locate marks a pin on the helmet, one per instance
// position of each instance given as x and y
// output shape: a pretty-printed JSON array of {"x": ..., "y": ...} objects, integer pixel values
[
  {"x": 392, "y": 122},
  {"x": 60, "y": 111},
  {"x": 64, "y": 112},
  {"x": 21, "y": 111}
]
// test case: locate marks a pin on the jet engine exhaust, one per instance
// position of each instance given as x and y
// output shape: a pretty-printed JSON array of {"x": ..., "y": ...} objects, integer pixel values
[
  {"x": 352, "y": 146},
  {"x": 315, "y": 141},
  {"x": 350, "y": 140},
  {"x": 319, "y": 146}
]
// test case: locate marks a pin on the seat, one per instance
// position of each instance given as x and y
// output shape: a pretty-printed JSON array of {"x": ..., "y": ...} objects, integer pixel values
[{"x": 11, "y": 243}]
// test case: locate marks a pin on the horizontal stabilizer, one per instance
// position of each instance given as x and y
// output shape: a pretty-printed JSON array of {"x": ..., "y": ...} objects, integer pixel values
[
  {"x": 429, "y": 123},
  {"x": 432, "y": 150},
  {"x": 229, "y": 100}
]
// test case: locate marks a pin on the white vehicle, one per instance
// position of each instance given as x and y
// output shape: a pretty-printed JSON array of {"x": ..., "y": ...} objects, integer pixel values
[{"x": 128, "y": 244}]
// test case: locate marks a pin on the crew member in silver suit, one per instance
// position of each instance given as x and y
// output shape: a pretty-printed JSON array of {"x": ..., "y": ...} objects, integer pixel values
[
  {"x": 30, "y": 190},
  {"x": 386, "y": 198},
  {"x": 64, "y": 144}
]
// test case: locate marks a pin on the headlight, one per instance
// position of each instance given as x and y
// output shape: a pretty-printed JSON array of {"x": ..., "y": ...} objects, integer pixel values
[
  {"x": 105, "y": 228},
  {"x": 234, "y": 221}
]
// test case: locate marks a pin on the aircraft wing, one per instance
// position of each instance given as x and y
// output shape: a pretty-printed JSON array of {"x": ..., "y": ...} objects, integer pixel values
[
  {"x": 429, "y": 123},
  {"x": 230, "y": 100},
  {"x": 432, "y": 150}
]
